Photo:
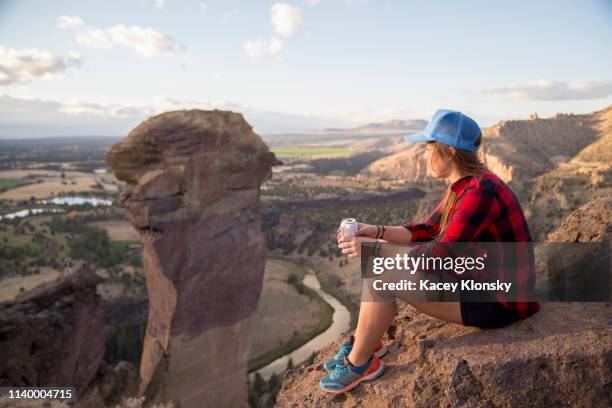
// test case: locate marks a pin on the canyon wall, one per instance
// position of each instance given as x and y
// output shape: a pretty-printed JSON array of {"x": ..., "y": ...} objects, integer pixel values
[{"x": 552, "y": 196}]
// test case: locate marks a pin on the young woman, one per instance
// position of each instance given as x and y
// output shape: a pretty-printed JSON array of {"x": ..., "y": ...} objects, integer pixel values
[{"x": 477, "y": 206}]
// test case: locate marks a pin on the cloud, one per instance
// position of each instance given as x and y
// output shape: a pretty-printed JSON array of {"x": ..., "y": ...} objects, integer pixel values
[
  {"x": 69, "y": 22},
  {"x": 287, "y": 20},
  {"x": 77, "y": 107},
  {"x": 263, "y": 48},
  {"x": 159, "y": 4},
  {"x": 142, "y": 40},
  {"x": 203, "y": 7},
  {"x": 545, "y": 90},
  {"x": 23, "y": 65},
  {"x": 29, "y": 117},
  {"x": 355, "y": 116},
  {"x": 312, "y": 2}
]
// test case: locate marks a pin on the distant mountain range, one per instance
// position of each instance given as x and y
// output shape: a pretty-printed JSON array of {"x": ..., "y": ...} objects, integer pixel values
[
  {"x": 389, "y": 127},
  {"x": 49, "y": 141},
  {"x": 371, "y": 130}
]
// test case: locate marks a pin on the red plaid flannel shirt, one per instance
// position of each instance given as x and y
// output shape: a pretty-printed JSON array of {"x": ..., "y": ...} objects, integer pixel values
[{"x": 486, "y": 210}]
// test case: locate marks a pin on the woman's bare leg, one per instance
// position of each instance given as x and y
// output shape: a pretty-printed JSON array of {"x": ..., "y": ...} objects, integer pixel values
[
  {"x": 376, "y": 317},
  {"x": 374, "y": 320}
]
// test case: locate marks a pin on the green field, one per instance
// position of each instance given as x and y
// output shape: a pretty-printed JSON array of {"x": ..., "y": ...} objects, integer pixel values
[
  {"x": 310, "y": 152},
  {"x": 8, "y": 237},
  {"x": 7, "y": 184},
  {"x": 122, "y": 246}
]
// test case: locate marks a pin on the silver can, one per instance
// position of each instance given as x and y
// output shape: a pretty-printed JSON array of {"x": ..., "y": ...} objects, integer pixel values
[{"x": 348, "y": 227}]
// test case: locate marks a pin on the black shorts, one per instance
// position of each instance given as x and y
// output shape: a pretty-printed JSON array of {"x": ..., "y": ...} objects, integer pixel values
[{"x": 487, "y": 315}]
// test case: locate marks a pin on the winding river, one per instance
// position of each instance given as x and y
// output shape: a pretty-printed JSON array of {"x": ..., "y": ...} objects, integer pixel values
[{"x": 341, "y": 320}]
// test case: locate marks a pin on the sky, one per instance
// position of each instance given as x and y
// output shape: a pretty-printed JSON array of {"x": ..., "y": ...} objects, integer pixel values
[{"x": 101, "y": 67}]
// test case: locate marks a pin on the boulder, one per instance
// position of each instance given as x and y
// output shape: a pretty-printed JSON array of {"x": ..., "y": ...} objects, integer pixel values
[
  {"x": 53, "y": 335},
  {"x": 193, "y": 181},
  {"x": 590, "y": 223}
]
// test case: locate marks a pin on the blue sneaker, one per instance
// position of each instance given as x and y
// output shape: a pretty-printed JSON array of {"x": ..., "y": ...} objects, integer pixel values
[
  {"x": 345, "y": 350},
  {"x": 346, "y": 376}
]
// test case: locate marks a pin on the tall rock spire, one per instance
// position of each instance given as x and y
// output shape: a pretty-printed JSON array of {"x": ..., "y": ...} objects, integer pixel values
[{"x": 193, "y": 181}]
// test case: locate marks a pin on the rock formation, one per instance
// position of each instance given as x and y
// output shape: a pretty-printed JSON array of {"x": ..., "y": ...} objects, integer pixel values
[
  {"x": 521, "y": 149},
  {"x": 590, "y": 223},
  {"x": 550, "y": 197},
  {"x": 571, "y": 271},
  {"x": 53, "y": 335},
  {"x": 407, "y": 164},
  {"x": 193, "y": 182},
  {"x": 561, "y": 356}
]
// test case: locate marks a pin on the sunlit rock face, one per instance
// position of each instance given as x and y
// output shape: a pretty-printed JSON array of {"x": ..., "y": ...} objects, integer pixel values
[{"x": 193, "y": 181}]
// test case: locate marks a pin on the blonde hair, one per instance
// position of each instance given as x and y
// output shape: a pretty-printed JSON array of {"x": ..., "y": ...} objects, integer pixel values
[{"x": 468, "y": 163}]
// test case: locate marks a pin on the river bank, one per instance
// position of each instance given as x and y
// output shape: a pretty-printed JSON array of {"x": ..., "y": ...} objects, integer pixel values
[
  {"x": 340, "y": 323},
  {"x": 312, "y": 314}
]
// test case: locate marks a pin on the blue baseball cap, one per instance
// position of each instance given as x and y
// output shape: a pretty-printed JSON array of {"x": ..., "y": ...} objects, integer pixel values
[{"x": 451, "y": 128}]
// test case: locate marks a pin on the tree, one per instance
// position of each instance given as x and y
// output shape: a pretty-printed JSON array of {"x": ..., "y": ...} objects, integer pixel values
[
  {"x": 259, "y": 385},
  {"x": 274, "y": 384},
  {"x": 311, "y": 359}
]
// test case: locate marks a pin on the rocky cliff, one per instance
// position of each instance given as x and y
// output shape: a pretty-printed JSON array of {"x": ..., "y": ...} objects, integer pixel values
[
  {"x": 53, "y": 335},
  {"x": 561, "y": 356},
  {"x": 193, "y": 181},
  {"x": 407, "y": 164},
  {"x": 521, "y": 149},
  {"x": 590, "y": 223},
  {"x": 551, "y": 196}
]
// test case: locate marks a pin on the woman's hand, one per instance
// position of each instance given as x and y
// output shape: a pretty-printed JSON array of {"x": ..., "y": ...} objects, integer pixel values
[
  {"x": 363, "y": 230},
  {"x": 351, "y": 246}
]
